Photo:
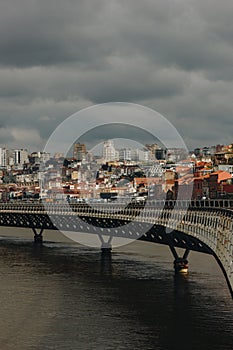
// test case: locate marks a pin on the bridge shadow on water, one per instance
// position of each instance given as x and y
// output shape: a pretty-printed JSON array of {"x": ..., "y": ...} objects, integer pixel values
[{"x": 111, "y": 302}]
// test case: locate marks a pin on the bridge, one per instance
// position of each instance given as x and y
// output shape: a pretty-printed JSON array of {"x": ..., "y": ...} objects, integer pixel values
[{"x": 203, "y": 226}]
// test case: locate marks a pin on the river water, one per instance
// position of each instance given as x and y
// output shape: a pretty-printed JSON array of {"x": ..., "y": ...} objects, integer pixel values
[{"x": 64, "y": 296}]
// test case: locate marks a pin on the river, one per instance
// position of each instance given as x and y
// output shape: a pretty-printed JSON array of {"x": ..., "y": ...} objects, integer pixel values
[{"x": 63, "y": 296}]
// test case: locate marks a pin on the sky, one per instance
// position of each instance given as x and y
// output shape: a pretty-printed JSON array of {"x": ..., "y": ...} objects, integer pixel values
[{"x": 58, "y": 57}]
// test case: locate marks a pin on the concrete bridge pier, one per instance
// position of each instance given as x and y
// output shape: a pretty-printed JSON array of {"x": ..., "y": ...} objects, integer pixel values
[
  {"x": 38, "y": 237},
  {"x": 106, "y": 247},
  {"x": 180, "y": 263}
]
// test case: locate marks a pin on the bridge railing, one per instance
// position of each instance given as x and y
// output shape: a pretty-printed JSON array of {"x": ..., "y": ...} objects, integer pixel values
[{"x": 113, "y": 207}]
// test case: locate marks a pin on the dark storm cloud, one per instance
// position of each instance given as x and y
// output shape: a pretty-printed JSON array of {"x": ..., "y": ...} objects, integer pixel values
[
  {"x": 189, "y": 34},
  {"x": 35, "y": 33},
  {"x": 59, "y": 56}
]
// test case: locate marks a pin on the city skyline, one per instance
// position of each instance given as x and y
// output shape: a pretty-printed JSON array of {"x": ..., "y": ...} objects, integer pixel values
[
  {"x": 119, "y": 144},
  {"x": 59, "y": 57}
]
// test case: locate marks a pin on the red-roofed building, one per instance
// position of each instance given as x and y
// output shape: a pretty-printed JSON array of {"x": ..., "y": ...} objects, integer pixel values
[
  {"x": 183, "y": 187},
  {"x": 197, "y": 188},
  {"x": 211, "y": 185},
  {"x": 208, "y": 186}
]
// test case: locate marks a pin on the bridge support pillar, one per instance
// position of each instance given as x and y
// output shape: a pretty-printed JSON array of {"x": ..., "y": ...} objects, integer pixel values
[
  {"x": 106, "y": 249},
  {"x": 38, "y": 237},
  {"x": 180, "y": 263}
]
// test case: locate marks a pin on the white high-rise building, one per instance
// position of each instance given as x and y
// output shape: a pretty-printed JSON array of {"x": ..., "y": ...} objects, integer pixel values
[
  {"x": 125, "y": 154},
  {"x": 3, "y": 157},
  {"x": 20, "y": 156},
  {"x": 128, "y": 154},
  {"x": 143, "y": 155},
  {"x": 109, "y": 151},
  {"x": 10, "y": 157}
]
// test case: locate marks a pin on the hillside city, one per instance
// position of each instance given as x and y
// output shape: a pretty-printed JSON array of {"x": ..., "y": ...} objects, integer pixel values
[{"x": 150, "y": 172}]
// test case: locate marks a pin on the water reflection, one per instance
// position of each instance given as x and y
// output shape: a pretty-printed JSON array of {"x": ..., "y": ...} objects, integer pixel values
[{"x": 61, "y": 296}]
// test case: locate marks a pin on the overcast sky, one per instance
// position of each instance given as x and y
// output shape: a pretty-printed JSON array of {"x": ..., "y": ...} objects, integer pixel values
[{"x": 58, "y": 57}]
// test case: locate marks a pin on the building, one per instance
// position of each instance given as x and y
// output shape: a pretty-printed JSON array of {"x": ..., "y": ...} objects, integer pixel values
[
  {"x": 3, "y": 157},
  {"x": 10, "y": 157},
  {"x": 226, "y": 167},
  {"x": 211, "y": 186},
  {"x": 160, "y": 154},
  {"x": 197, "y": 188},
  {"x": 152, "y": 148},
  {"x": 20, "y": 156},
  {"x": 109, "y": 151},
  {"x": 143, "y": 155},
  {"x": 175, "y": 154},
  {"x": 125, "y": 154},
  {"x": 80, "y": 151},
  {"x": 215, "y": 180},
  {"x": 58, "y": 155},
  {"x": 39, "y": 157}
]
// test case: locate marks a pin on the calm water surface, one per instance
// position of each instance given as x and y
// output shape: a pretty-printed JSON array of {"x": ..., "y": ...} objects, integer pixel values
[{"x": 64, "y": 296}]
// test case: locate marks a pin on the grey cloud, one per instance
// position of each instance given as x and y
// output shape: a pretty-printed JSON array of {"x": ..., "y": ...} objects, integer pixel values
[
  {"x": 182, "y": 33},
  {"x": 59, "y": 56},
  {"x": 124, "y": 79},
  {"x": 51, "y": 32}
]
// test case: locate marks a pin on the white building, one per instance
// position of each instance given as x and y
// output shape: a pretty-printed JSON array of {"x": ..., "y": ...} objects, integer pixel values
[
  {"x": 125, "y": 154},
  {"x": 3, "y": 157},
  {"x": 40, "y": 157},
  {"x": 144, "y": 155},
  {"x": 10, "y": 157},
  {"x": 109, "y": 151},
  {"x": 20, "y": 156}
]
